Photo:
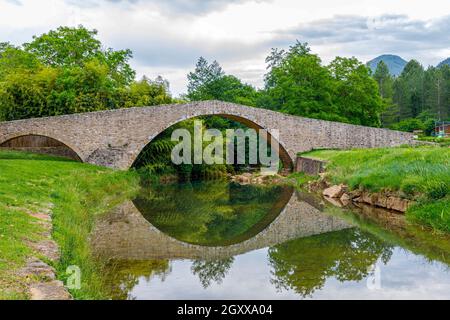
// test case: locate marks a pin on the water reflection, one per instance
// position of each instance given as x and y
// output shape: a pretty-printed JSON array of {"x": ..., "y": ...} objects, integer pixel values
[
  {"x": 212, "y": 213},
  {"x": 305, "y": 264},
  {"x": 221, "y": 241}
]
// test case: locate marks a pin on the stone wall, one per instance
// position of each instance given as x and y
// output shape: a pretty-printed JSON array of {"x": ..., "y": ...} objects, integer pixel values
[
  {"x": 309, "y": 166},
  {"x": 114, "y": 138}
]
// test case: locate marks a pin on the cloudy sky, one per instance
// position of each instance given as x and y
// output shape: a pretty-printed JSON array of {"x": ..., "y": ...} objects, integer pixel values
[{"x": 167, "y": 37}]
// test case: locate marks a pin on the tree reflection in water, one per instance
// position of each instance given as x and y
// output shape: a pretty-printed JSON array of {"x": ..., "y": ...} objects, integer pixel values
[
  {"x": 120, "y": 277},
  {"x": 305, "y": 264},
  {"x": 212, "y": 213},
  {"x": 211, "y": 271}
]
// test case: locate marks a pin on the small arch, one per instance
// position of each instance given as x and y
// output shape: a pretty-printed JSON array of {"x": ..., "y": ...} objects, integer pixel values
[
  {"x": 37, "y": 143},
  {"x": 285, "y": 158}
]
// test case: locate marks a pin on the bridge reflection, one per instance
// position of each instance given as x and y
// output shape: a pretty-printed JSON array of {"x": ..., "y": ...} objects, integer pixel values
[{"x": 125, "y": 234}]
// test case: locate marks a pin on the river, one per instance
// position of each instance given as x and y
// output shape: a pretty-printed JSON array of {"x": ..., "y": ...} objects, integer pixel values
[{"x": 220, "y": 240}]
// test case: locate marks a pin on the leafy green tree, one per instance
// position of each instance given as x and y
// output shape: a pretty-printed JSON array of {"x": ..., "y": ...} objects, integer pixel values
[
  {"x": 436, "y": 91},
  {"x": 14, "y": 59},
  {"x": 385, "y": 80},
  {"x": 148, "y": 92},
  {"x": 355, "y": 92},
  {"x": 209, "y": 82},
  {"x": 298, "y": 84},
  {"x": 69, "y": 47},
  {"x": 21, "y": 97},
  {"x": 67, "y": 71},
  {"x": 409, "y": 90},
  {"x": 226, "y": 88},
  {"x": 203, "y": 74},
  {"x": 409, "y": 125},
  {"x": 444, "y": 108}
]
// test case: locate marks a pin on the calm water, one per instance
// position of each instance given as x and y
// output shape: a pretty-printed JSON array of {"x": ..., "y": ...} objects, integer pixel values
[{"x": 219, "y": 240}]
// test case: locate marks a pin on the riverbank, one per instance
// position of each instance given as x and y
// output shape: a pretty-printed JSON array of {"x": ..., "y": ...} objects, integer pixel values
[
  {"x": 419, "y": 174},
  {"x": 73, "y": 194}
]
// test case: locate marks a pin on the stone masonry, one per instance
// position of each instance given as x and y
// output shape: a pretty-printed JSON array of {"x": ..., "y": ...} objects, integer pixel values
[{"x": 114, "y": 138}]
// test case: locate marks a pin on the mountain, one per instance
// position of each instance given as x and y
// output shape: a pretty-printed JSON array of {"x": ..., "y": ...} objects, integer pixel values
[
  {"x": 446, "y": 61},
  {"x": 395, "y": 63}
]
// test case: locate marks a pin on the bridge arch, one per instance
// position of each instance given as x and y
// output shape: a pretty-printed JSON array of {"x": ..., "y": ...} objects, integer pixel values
[
  {"x": 284, "y": 156},
  {"x": 40, "y": 143}
]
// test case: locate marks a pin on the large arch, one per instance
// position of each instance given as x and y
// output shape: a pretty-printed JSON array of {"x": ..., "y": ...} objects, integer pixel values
[
  {"x": 39, "y": 143},
  {"x": 285, "y": 158}
]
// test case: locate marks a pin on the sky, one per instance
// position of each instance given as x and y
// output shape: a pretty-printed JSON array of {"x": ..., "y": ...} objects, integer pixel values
[{"x": 167, "y": 37}]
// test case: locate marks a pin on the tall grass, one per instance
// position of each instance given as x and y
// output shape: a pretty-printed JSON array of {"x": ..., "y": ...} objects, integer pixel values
[
  {"x": 78, "y": 192},
  {"x": 418, "y": 173}
]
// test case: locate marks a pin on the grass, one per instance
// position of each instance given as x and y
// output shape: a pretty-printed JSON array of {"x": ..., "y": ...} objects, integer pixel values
[
  {"x": 77, "y": 192},
  {"x": 444, "y": 142},
  {"x": 418, "y": 173},
  {"x": 300, "y": 179}
]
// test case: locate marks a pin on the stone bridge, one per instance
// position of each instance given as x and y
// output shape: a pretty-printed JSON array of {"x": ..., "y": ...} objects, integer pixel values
[
  {"x": 114, "y": 138},
  {"x": 126, "y": 234}
]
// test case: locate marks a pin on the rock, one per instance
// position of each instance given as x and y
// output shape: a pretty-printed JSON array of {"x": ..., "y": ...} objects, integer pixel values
[
  {"x": 381, "y": 200},
  {"x": 345, "y": 199},
  {"x": 354, "y": 194},
  {"x": 334, "y": 202},
  {"x": 397, "y": 204},
  {"x": 334, "y": 191},
  {"x": 53, "y": 290},
  {"x": 48, "y": 248},
  {"x": 41, "y": 216},
  {"x": 248, "y": 178},
  {"x": 38, "y": 268},
  {"x": 368, "y": 198},
  {"x": 243, "y": 179}
]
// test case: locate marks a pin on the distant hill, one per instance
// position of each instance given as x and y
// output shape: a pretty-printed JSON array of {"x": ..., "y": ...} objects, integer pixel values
[
  {"x": 446, "y": 61},
  {"x": 395, "y": 63}
]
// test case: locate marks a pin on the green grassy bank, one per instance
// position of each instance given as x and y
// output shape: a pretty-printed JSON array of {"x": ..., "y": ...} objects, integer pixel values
[
  {"x": 76, "y": 193},
  {"x": 420, "y": 173}
]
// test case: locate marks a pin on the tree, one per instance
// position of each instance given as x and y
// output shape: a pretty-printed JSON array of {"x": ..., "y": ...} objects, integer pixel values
[
  {"x": 226, "y": 88},
  {"x": 356, "y": 93},
  {"x": 384, "y": 80},
  {"x": 444, "y": 109},
  {"x": 72, "y": 47},
  {"x": 298, "y": 84},
  {"x": 13, "y": 59},
  {"x": 66, "y": 71},
  {"x": 203, "y": 74},
  {"x": 409, "y": 90},
  {"x": 148, "y": 93}
]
